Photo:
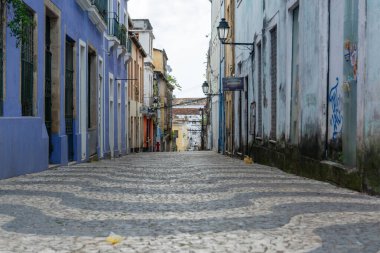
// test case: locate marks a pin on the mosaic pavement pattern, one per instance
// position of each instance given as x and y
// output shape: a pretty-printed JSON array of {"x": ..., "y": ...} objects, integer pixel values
[{"x": 183, "y": 202}]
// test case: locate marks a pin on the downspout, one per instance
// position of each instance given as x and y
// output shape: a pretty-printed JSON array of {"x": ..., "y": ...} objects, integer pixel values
[
  {"x": 253, "y": 99},
  {"x": 328, "y": 81},
  {"x": 220, "y": 138}
]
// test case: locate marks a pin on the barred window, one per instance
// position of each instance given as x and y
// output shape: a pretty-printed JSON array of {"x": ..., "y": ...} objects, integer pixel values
[{"x": 27, "y": 66}]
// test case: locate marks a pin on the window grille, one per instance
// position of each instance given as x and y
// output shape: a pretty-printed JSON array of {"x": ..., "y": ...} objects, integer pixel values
[
  {"x": 27, "y": 80},
  {"x": 273, "y": 35}
]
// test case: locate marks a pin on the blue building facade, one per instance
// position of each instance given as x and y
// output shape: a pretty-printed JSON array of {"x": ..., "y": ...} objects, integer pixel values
[{"x": 62, "y": 91}]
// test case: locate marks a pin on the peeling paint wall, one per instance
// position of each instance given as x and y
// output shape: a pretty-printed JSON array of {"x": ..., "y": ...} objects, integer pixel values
[
  {"x": 327, "y": 102},
  {"x": 368, "y": 95},
  {"x": 246, "y": 25}
]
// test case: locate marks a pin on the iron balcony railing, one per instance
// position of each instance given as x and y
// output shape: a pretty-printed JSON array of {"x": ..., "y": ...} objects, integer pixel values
[
  {"x": 129, "y": 46},
  {"x": 114, "y": 28},
  {"x": 101, "y": 5},
  {"x": 123, "y": 36}
]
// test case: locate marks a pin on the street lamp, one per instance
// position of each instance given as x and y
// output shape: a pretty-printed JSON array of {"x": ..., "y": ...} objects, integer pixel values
[
  {"x": 155, "y": 103},
  {"x": 205, "y": 89},
  {"x": 223, "y": 30}
]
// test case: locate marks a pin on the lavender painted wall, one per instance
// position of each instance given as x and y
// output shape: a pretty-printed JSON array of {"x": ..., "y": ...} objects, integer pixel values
[{"x": 27, "y": 136}]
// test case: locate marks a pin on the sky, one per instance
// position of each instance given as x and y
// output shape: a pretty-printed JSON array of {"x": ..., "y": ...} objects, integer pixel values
[{"x": 181, "y": 27}]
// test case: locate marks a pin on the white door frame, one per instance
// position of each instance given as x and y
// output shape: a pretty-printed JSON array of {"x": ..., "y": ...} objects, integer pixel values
[
  {"x": 119, "y": 116},
  {"x": 111, "y": 115},
  {"x": 101, "y": 106},
  {"x": 126, "y": 117},
  {"x": 83, "y": 97}
]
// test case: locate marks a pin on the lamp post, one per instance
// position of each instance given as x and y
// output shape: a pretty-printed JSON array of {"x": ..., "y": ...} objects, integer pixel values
[
  {"x": 201, "y": 111},
  {"x": 206, "y": 91},
  {"x": 155, "y": 124},
  {"x": 152, "y": 124},
  {"x": 223, "y": 31}
]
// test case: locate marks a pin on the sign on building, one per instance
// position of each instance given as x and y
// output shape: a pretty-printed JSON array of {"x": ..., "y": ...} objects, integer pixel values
[{"x": 233, "y": 83}]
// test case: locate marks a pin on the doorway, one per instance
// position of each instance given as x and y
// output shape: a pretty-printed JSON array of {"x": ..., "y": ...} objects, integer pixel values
[
  {"x": 92, "y": 101},
  {"x": 52, "y": 81},
  {"x": 100, "y": 107},
  {"x": 82, "y": 99},
  {"x": 69, "y": 98},
  {"x": 48, "y": 81}
]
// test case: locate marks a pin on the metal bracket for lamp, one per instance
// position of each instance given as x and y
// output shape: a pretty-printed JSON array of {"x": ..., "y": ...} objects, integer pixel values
[
  {"x": 223, "y": 30},
  {"x": 205, "y": 88}
]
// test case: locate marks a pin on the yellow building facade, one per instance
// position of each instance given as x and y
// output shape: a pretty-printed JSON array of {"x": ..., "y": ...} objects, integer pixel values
[
  {"x": 164, "y": 92},
  {"x": 229, "y": 72}
]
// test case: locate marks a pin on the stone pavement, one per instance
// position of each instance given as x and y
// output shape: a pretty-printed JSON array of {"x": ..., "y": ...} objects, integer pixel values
[{"x": 183, "y": 202}]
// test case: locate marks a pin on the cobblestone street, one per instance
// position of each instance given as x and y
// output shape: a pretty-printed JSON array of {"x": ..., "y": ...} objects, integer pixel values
[{"x": 182, "y": 202}]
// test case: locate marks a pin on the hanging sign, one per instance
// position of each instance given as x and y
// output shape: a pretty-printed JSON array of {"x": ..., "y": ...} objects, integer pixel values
[{"x": 233, "y": 83}]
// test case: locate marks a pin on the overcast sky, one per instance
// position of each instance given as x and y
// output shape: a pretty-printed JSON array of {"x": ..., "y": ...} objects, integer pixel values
[{"x": 180, "y": 27}]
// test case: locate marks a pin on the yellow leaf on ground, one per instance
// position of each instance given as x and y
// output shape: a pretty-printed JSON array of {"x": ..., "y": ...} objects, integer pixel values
[{"x": 114, "y": 238}]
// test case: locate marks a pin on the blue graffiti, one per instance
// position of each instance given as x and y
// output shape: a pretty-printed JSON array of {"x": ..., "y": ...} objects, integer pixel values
[{"x": 336, "y": 119}]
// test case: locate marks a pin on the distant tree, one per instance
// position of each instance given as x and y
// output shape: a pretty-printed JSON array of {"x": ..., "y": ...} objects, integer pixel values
[
  {"x": 173, "y": 82},
  {"x": 19, "y": 18}
]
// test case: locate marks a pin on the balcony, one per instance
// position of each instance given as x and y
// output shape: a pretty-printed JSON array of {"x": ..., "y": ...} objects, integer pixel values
[
  {"x": 84, "y": 4},
  {"x": 128, "y": 54},
  {"x": 114, "y": 30},
  {"x": 123, "y": 36},
  {"x": 97, "y": 10},
  {"x": 122, "y": 49},
  {"x": 101, "y": 6}
]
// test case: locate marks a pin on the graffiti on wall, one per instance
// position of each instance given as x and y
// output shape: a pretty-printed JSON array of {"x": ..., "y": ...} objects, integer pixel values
[
  {"x": 336, "y": 119},
  {"x": 351, "y": 57}
]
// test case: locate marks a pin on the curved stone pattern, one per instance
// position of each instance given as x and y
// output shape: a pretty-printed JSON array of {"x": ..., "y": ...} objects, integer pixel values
[{"x": 178, "y": 202}]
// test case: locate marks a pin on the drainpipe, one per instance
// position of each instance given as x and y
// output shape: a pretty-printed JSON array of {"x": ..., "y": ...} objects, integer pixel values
[
  {"x": 328, "y": 80},
  {"x": 253, "y": 99},
  {"x": 220, "y": 137}
]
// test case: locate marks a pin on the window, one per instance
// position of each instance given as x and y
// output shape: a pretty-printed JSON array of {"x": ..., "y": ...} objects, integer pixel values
[
  {"x": 273, "y": 73},
  {"x": 69, "y": 97},
  {"x": 27, "y": 65},
  {"x": 91, "y": 88}
]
